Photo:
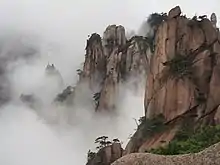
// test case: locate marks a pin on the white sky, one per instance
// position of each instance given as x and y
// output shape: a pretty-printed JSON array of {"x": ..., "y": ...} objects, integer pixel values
[
  {"x": 87, "y": 16},
  {"x": 69, "y": 22}
]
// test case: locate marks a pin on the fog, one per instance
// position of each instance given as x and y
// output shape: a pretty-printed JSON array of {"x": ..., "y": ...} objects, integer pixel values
[
  {"x": 44, "y": 136},
  {"x": 57, "y": 31},
  {"x": 57, "y": 35}
]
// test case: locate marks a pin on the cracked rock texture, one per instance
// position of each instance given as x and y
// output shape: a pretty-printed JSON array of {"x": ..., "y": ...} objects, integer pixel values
[
  {"x": 111, "y": 60},
  {"x": 181, "y": 67},
  {"x": 210, "y": 156},
  {"x": 177, "y": 36},
  {"x": 193, "y": 89}
]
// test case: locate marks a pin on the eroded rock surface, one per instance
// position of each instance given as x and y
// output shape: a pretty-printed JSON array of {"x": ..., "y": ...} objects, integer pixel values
[
  {"x": 210, "y": 156},
  {"x": 182, "y": 79},
  {"x": 106, "y": 155},
  {"x": 111, "y": 60},
  {"x": 181, "y": 63}
]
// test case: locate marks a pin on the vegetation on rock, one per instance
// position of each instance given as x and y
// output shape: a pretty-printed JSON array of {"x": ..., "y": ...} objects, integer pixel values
[
  {"x": 151, "y": 126},
  {"x": 189, "y": 139},
  {"x": 180, "y": 66},
  {"x": 94, "y": 37},
  {"x": 79, "y": 72},
  {"x": 142, "y": 42},
  {"x": 155, "y": 19},
  {"x": 200, "y": 97},
  {"x": 102, "y": 142},
  {"x": 194, "y": 143},
  {"x": 90, "y": 155},
  {"x": 96, "y": 98},
  {"x": 64, "y": 95}
]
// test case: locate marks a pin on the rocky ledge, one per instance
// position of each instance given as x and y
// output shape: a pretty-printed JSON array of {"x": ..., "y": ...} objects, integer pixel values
[{"x": 210, "y": 156}]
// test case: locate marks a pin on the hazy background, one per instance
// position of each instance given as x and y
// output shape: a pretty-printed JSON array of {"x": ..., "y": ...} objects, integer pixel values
[{"x": 58, "y": 29}]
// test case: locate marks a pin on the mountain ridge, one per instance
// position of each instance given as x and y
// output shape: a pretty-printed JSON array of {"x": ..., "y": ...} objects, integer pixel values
[{"x": 176, "y": 60}]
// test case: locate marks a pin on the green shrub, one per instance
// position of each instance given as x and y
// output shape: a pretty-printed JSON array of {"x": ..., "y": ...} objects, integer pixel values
[
  {"x": 96, "y": 98},
  {"x": 155, "y": 19},
  {"x": 90, "y": 155},
  {"x": 144, "y": 43},
  {"x": 151, "y": 126},
  {"x": 180, "y": 66},
  {"x": 194, "y": 143}
]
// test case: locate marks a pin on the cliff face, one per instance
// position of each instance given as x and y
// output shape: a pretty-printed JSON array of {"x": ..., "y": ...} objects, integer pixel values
[
  {"x": 111, "y": 60},
  {"x": 183, "y": 78},
  {"x": 180, "y": 61},
  {"x": 175, "y": 88}
]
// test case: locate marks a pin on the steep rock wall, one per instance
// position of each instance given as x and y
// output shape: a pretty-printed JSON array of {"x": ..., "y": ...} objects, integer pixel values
[
  {"x": 174, "y": 96},
  {"x": 111, "y": 60},
  {"x": 182, "y": 75},
  {"x": 183, "y": 78}
]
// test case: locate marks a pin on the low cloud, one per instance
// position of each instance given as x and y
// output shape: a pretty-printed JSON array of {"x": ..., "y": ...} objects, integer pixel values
[{"x": 33, "y": 34}]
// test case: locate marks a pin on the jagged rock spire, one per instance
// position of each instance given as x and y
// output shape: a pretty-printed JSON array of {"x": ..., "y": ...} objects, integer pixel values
[
  {"x": 213, "y": 19},
  {"x": 109, "y": 60}
]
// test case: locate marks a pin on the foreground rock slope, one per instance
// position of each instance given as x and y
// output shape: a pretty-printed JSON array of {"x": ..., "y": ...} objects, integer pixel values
[{"x": 210, "y": 156}]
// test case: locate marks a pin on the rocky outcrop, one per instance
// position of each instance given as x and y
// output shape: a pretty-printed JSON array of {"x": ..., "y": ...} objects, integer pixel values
[
  {"x": 213, "y": 19},
  {"x": 106, "y": 155},
  {"x": 52, "y": 72},
  {"x": 61, "y": 97},
  {"x": 177, "y": 37},
  {"x": 111, "y": 60},
  {"x": 209, "y": 156},
  {"x": 95, "y": 62},
  {"x": 183, "y": 74},
  {"x": 175, "y": 12},
  {"x": 181, "y": 63}
]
